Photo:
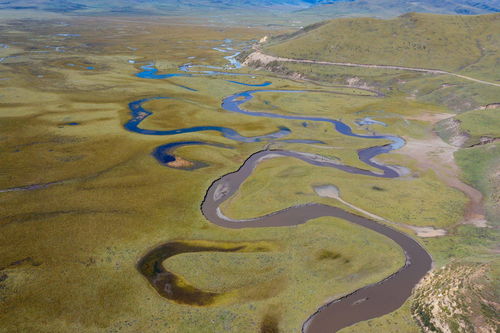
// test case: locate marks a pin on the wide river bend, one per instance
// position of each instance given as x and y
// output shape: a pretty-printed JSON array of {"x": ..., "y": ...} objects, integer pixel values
[{"x": 368, "y": 302}]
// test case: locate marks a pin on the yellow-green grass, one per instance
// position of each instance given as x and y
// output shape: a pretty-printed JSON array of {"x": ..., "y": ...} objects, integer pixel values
[
  {"x": 392, "y": 110},
  {"x": 86, "y": 238},
  {"x": 453, "y": 43},
  {"x": 166, "y": 116},
  {"x": 462, "y": 44},
  {"x": 69, "y": 251},
  {"x": 312, "y": 257},
  {"x": 480, "y": 166},
  {"x": 202, "y": 111},
  {"x": 340, "y": 101},
  {"x": 282, "y": 182},
  {"x": 455, "y": 93},
  {"x": 481, "y": 122}
]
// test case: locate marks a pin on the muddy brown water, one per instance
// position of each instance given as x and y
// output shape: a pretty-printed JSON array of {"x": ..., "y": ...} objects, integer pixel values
[
  {"x": 167, "y": 283},
  {"x": 173, "y": 287},
  {"x": 366, "y": 303}
]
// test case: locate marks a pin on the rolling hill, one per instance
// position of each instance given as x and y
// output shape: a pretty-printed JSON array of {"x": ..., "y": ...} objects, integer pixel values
[{"x": 452, "y": 43}]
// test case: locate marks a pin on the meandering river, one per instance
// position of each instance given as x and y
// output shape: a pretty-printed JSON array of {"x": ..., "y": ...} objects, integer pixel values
[{"x": 363, "y": 304}]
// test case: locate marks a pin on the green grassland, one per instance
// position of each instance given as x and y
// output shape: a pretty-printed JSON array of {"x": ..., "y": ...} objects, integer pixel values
[
  {"x": 392, "y": 109},
  {"x": 480, "y": 167},
  {"x": 418, "y": 40},
  {"x": 460, "y": 44},
  {"x": 471, "y": 128},
  {"x": 454, "y": 93},
  {"x": 402, "y": 200},
  {"x": 68, "y": 251},
  {"x": 479, "y": 123},
  {"x": 452, "y": 43},
  {"x": 255, "y": 198},
  {"x": 478, "y": 159}
]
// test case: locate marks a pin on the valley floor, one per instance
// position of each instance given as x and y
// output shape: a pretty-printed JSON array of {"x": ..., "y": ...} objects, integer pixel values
[{"x": 109, "y": 146}]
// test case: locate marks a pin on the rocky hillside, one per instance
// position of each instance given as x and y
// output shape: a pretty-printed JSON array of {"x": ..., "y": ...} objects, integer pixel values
[{"x": 458, "y": 298}]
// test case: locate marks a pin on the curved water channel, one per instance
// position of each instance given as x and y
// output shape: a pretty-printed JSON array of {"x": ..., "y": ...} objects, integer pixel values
[{"x": 363, "y": 304}]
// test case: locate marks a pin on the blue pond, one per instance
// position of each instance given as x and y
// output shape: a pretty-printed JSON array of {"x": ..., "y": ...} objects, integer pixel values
[
  {"x": 265, "y": 84},
  {"x": 150, "y": 72}
]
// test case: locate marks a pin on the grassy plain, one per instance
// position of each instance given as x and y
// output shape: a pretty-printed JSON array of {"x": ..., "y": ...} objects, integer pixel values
[
  {"x": 420, "y": 201},
  {"x": 404, "y": 200},
  {"x": 69, "y": 250}
]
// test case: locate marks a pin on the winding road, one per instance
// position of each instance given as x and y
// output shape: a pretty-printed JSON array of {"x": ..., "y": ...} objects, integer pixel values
[{"x": 266, "y": 58}]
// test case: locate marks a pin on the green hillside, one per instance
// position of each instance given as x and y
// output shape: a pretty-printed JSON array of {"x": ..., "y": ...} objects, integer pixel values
[{"x": 454, "y": 43}]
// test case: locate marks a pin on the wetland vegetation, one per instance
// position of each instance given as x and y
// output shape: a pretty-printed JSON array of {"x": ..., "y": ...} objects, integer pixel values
[{"x": 114, "y": 130}]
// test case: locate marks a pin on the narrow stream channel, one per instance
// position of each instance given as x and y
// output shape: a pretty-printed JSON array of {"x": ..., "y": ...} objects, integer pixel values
[{"x": 368, "y": 302}]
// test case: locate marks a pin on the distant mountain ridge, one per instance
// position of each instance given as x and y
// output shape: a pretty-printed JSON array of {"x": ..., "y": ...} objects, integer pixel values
[{"x": 319, "y": 9}]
